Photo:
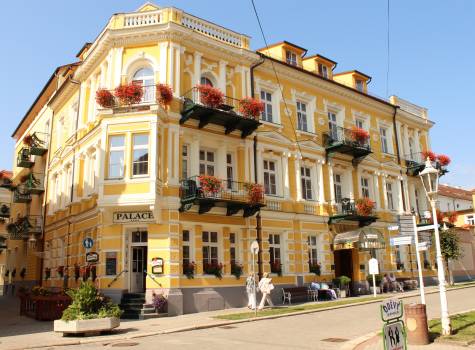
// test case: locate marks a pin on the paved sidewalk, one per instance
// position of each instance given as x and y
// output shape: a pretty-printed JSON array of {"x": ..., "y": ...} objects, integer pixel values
[{"x": 18, "y": 332}]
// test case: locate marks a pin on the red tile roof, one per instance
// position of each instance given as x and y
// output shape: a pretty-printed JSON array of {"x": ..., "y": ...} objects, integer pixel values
[{"x": 455, "y": 192}]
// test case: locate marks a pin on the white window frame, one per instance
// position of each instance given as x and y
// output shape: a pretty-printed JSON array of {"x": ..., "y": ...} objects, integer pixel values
[
  {"x": 291, "y": 58},
  {"x": 117, "y": 149},
  {"x": 269, "y": 174},
  {"x": 306, "y": 182},
  {"x": 383, "y": 137},
  {"x": 210, "y": 245},
  {"x": 365, "y": 183},
  {"x": 324, "y": 70},
  {"x": 302, "y": 117},
  {"x": 138, "y": 148},
  {"x": 276, "y": 246},
  {"x": 188, "y": 244},
  {"x": 265, "y": 95},
  {"x": 313, "y": 246},
  {"x": 470, "y": 219},
  {"x": 390, "y": 195},
  {"x": 185, "y": 161},
  {"x": 230, "y": 170},
  {"x": 338, "y": 185},
  {"x": 274, "y": 90},
  {"x": 234, "y": 245},
  {"x": 148, "y": 88},
  {"x": 359, "y": 85},
  {"x": 206, "y": 163}
]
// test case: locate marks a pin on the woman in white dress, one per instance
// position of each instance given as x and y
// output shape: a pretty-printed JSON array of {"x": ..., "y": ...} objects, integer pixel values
[
  {"x": 251, "y": 291},
  {"x": 265, "y": 286}
]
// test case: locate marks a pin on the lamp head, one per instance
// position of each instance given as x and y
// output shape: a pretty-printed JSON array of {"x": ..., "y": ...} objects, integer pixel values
[{"x": 430, "y": 180}]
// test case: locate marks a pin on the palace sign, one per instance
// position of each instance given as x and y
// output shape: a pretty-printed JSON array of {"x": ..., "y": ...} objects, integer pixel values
[{"x": 133, "y": 216}]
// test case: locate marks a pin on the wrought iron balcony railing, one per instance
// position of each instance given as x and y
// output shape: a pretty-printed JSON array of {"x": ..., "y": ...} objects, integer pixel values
[
  {"x": 24, "y": 159},
  {"x": 25, "y": 227},
  {"x": 32, "y": 183},
  {"x": 226, "y": 114},
  {"x": 37, "y": 142},
  {"x": 415, "y": 163},
  {"x": 209, "y": 191},
  {"x": 21, "y": 195},
  {"x": 346, "y": 209},
  {"x": 346, "y": 141},
  {"x": 149, "y": 97}
]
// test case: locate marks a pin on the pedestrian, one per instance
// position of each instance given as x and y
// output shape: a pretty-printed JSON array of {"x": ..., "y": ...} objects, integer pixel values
[
  {"x": 266, "y": 287},
  {"x": 395, "y": 285},
  {"x": 385, "y": 283},
  {"x": 251, "y": 291}
]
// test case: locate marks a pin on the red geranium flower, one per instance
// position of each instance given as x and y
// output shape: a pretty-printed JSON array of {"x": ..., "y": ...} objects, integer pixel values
[
  {"x": 250, "y": 107},
  {"x": 129, "y": 94},
  {"x": 164, "y": 94},
  {"x": 104, "y": 98},
  {"x": 210, "y": 96},
  {"x": 429, "y": 154},
  {"x": 443, "y": 159}
]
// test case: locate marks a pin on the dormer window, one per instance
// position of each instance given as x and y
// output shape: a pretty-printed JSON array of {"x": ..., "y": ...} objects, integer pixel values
[
  {"x": 359, "y": 85},
  {"x": 291, "y": 58},
  {"x": 323, "y": 70}
]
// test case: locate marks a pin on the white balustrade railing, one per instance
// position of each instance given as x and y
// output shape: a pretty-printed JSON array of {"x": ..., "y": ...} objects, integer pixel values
[
  {"x": 142, "y": 19},
  {"x": 273, "y": 205},
  {"x": 309, "y": 208},
  {"x": 211, "y": 30}
]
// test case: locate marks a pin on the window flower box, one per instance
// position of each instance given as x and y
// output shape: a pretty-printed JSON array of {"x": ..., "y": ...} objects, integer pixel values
[
  {"x": 359, "y": 135},
  {"x": 210, "y": 96},
  {"x": 250, "y": 107},
  {"x": 164, "y": 94},
  {"x": 213, "y": 268},
  {"x": 210, "y": 184},
  {"x": 129, "y": 94},
  {"x": 364, "y": 206},
  {"x": 189, "y": 270},
  {"x": 105, "y": 98}
]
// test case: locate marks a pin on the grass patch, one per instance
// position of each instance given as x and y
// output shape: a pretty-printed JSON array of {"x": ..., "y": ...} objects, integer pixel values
[
  {"x": 463, "y": 327},
  {"x": 281, "y": 310}
]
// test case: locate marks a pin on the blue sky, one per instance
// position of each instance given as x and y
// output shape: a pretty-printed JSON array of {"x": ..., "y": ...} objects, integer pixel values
[{"x": 432, "y": 51}]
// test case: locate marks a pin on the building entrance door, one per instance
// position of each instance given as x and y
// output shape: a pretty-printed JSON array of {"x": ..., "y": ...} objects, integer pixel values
[
  {"x": 344, "y": 263},
  {"x": 139, "y": 263}
]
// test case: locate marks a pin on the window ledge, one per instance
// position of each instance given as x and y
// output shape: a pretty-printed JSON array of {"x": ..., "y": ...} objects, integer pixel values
[
  {"x": 271, "y": 124},
  {"x": 307, "y": 133}
]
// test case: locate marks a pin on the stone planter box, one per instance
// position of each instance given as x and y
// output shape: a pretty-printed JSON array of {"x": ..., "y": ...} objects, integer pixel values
[
  {"x": 378, "y": 290},
  {"x": 87, "y": 327}
]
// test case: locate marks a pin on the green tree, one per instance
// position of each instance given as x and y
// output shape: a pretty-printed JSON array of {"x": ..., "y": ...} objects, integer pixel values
[{"x": 450, "y": 247}]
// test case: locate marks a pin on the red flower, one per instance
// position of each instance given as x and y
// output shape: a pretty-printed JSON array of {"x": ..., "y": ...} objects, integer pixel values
[
  {"x": 429, "y": 154},
  {"x": 255, "y": 192},
  {"x": 443, "y": 159},
  {"x": 104, "y": 98},
  {"x": 452, "y": 217},
  {"x": 250, "y": 107},
  {"x": 164, "y": 94},
  {"x": 210, "y": 96},
  {"x": 28, "y": 140},
  {"x": 359, "y": 135},
  {"x": 210, "y": 183},
  {"x": 129, "y": 94},
  {"x": 364, "y": 206}
]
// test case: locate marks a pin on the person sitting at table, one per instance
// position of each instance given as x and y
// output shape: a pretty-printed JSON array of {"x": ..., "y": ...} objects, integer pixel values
[
  {"x": 395, "y": 285},
  {"x": 385, "y": 283}
]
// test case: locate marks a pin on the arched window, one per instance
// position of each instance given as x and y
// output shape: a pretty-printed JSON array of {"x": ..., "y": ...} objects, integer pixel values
[
  {"x": 145, "y": 77},
  {"x": 206, "y": 81}
]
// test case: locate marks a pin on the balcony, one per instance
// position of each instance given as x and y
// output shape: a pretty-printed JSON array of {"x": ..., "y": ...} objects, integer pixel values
[
  {"x": 346, "y": 141},
  {"x": 226, "y": 114},
  {"x": 32, "y": 183},
  {"x": 347, "y": 210},
  {"x": 208, "y": 192},
  {"x": 37, "y": 143},
  {"x": 5, "y": 182},
  {"x": 129, "y": 97},
  {"x": 415, "y": 163},
  {"x": 21, "y": 195},
  {"x": 24, "y": 158},
  {"x": 4, "y": 210},
  {"x": 25, "y": 227}
]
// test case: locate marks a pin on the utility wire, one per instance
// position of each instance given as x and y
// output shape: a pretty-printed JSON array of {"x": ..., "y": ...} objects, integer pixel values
[
  {"x": 388, "y": 52},
  {"x": 287, "y": 111}
]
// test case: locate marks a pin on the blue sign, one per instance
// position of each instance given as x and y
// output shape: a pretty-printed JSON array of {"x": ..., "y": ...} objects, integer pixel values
[{"x": 88, "y": 242}]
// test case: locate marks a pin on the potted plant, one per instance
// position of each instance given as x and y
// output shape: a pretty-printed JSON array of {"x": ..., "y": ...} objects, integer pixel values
[
  {"x": 359, "y": 135},
  {"x": 210, "y": 184},
  {"x": 189, "y": 270},
  {"x": 315, "y": 267},
  {"x": 364, "y": 206},
  {"x": 129, "y": 94},
  {"x": 210, "y": 96},
  {"x": 159, "y": 302},
  {"x": 89, "y": 312},
  {"x": 251, "y": 107},
  {"x": 378, "y": 278},
  {"x": 236, "y": 270},
  {"x": 276, "y": 267},
  {"x": 164, "y": 94},
  {"x": 255, "y": 192},
  {"x": 428, "y": 154},
  {"x": 104, "y": 98},
  {"x": 47, "y": 273},
  {"x": 213, "y": 268},
  {"x": 60, "y": 270},
  {"x": 343, "y": 283},
  {"x": 443, "y": 160}
]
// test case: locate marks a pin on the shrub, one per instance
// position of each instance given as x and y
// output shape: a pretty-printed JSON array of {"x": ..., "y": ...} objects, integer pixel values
[
  {"x": 88, "y": 303},
  {"x": 378, "y": 279},
  {"x": 159, "y": 302},
  {"x": 164, "y": 94},
  {"x": 250, "y": 107},
  {"x": 210, "y": 96},
  {"x": 364, "y": 206},
  {"x": 342, "y": 281},
  {"x": 129, "y": 94},
  {"x": 104, "y": 98}
]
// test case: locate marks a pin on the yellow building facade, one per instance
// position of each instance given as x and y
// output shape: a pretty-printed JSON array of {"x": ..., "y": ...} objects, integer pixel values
[{"x": 120, "y": 187}]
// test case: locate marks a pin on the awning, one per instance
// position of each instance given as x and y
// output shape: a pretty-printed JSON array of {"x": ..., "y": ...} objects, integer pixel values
[{"x": 362, "y": 239}]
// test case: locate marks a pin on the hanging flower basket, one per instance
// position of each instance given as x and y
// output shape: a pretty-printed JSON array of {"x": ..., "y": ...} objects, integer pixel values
[
  {"x": 28, "y": 140},
  {"x": 164, "y": 94},
  {"x": 189, "y": 270},
  {"x": 129, "y": 94},
  {"x": 104, "y": 98},
  {"x": 255, "y": 192},
  {"x": 210, "y": 96},
  {"x": 251, "y": 108},
  {"x": 210, "y": 184},
  {"x": 443, "y": 159},
  {"x": 359, "y": 135},
  {"x": 364, "y": 206},
  {"x": 429, "y": 154}
]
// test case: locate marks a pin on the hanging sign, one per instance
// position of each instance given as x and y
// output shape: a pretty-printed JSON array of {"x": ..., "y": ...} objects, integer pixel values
[
  {"x": 133, "y": 216},
  {"x": 88, "y": 242},
  {"x": 391, "y": 309},
  {"x": 92, "y": 257},
  {"x": 157, "y": 266},
  {"x": 394, "y": 336},
  {"x": 400, "y": 240},
  {"x": 373, "y": 266}
]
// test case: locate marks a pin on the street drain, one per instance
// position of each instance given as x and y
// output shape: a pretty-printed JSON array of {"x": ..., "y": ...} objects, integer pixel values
[
  {"x": 227, "y": 327},
  {"x": 335, "y": 340},
  {"x": 123, "y": 345}
]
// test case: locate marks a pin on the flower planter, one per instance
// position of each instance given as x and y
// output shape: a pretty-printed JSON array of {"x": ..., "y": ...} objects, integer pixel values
[
  {"x": 93, "y": 326},
  {"x": 378, "y": 290}
]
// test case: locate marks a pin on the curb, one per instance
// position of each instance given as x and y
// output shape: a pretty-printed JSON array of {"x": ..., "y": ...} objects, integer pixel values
[{"x": 229, "y": 322}]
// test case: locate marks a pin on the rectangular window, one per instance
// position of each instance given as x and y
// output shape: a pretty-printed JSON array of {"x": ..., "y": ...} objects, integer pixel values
[
  {"x": 302, "y": 116},
  {"x": 140, "y": 154},
  {"x": 312, "y": 250},
  {"x": 359, "y": 123},
  {"x": 116, "y": 156},
  {"x": 210, "y": 249},
  {"x": 365, "y": 187},
  {"x": 232, "y": 249},
  {"x": 184, "y": 162},
  {"x": 359, "y": 85},
  {"x": 416, "y": 195},
  {"x": 186, "y": 251},
  {"x": 389, "y": 194},
  {"x": 306, "y": 178},
  {"x": 337, "y": 187},
  {"x": 111, "y": 263},
  {"x": 270, "y": 186},
  {"x": 384, "y": 140},
  {"x": 229, "y": 171},
  {"x": 266, "y": 98},
  {"x": 470, "y": 219},
  {"x": 207, "y": 164},
  {"x": 291, "y": 58},
  {"x": 323, "y": 70},
  {"x": 275, "y": 253},
  {"x": 332, "y": 125}
]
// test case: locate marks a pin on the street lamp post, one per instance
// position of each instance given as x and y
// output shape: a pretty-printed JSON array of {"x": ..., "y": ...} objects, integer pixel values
[{"x": 430, "y": 180}]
